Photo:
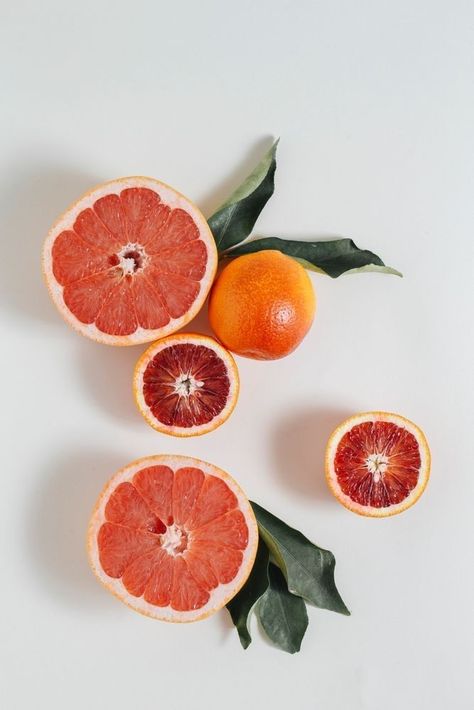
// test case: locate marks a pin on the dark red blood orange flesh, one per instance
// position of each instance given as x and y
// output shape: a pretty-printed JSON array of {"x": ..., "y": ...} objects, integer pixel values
[
  {"x": 377, "y": 463},
  {"x": 186, "y": 385}
]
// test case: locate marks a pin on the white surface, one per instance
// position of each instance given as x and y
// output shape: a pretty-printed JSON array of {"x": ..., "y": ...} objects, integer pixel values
[{"x": 374, "y": 105}]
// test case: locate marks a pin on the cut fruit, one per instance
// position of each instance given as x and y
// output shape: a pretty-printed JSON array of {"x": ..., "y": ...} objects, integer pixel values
[
  {"x": 377, "y": 464},
  {"x": 173, "y": 537},
  {"x": 186, "y": 385},
  {"x": 131, "y": 261}
]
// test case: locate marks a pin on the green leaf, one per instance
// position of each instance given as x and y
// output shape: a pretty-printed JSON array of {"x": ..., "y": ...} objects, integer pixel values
[
  {"x": 308, "y": 569},
  {"x": 282, "y": 615},
  {"x": 242, "y": 605},
  {"x": 332, "y": 257},
  {"x": 235, "y": 219}
]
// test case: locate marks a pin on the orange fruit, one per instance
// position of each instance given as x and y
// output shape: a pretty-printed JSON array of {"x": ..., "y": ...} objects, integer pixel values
[
  {"x": 377, "y": 464},
  {"x": 186, "y": 384},
  {"x": 131, "y": 261},
  {"x": 173, "y": 537},
  {"x": 262, "y": 305}
]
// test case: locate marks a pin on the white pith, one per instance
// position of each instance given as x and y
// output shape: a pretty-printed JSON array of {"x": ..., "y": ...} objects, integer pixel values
[
  {"x": 172, "y": 199},
  {"x": 186, "y": 385},
  {"x": 377, "y": 464},
  {"x": 219, "y": 596},
  {"x": 127, "y": 264},
  {"x": 206, "y": 341},
  {"x": 381, "y": 467},
  {"x": 172, "y": 539}
]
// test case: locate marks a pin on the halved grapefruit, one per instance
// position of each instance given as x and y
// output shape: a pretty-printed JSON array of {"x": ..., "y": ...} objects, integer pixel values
[
  {"x": 130, "y": 262},
  {"x": 377, "y": 464},
  {"x": 186, "y": 384},
  {"x": 173, "y": 537}
]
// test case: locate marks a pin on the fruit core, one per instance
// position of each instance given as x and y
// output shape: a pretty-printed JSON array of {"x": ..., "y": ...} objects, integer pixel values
[
  {"x": 377, "y": 465},
  {"x": 131, "y": 258},
  {"x": 174, "y": 540},
  {"x": 186, "y": 385}
]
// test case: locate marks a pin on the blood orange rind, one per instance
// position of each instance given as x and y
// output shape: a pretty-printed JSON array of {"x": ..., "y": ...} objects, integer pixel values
[
  {"x": 191, "y": 339},
  {"x": 223, "y": 593},
  {"x": 170, "y": 198},
  {"x": 423, "y": 472}
]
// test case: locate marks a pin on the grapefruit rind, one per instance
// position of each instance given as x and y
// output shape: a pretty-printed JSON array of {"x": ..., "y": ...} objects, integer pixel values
[
  {"x": 424, "y": 471},
  {"x": 195, "y": 339},
  {"x": 170, "y": 197},
  {"x": 220, "y": 596}
]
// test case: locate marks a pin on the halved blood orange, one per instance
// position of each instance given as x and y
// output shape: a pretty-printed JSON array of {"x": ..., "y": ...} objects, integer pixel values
[
  {"x": 377, "y": 464},
  {"x": 131, "y": 261},
  {"x": 186, "y": 384},
  {"x": 173, "y": 537}
]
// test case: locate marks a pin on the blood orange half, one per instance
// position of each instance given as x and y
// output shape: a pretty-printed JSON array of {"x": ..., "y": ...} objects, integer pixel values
[
  {"x": 173, "y": 537},
  {"x": 131, "y": 261},
  {"x": 186, "y": 385},
  {"x": 377, "y": 464}
]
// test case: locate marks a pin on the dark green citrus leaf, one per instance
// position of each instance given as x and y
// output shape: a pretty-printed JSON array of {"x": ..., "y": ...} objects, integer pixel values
[
  {"x": 308, "y": 569},
  {"x": 332, "y": 257},
  {"x": 282, "y": 615},
  {"x": 235, "y": 219},
  {"x": 241, "y": 606}
]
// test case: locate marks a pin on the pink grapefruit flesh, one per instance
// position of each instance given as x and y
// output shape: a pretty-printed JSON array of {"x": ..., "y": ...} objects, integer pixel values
[
  {"x": 173, "y": 537},
  {"x": 131, "y": 261}
]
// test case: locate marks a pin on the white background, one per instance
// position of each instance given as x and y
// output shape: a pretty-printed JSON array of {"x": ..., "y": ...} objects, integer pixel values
[{"x": 374, "y": 104}]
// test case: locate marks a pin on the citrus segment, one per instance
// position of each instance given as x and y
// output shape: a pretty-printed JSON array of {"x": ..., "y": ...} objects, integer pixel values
[
  {"x": 173, "y": 537},
  {"x": 131, "y": 261},
  {"x": 214, "y": 500},
  {"x": 138, "y": 573},
  {"x": 229, "y": 529},
  {"x": 155, "y": 486},
  {"x": 127, "y": 507},
  {"x": 377, "y": 464},
  {"x": 158, "y": 588},
  {"x": 119, "y": 545},
  {"x": 224, "y": 561},
  {"x": 186, "y": 385},
  {"x": 186, "y": 489}
]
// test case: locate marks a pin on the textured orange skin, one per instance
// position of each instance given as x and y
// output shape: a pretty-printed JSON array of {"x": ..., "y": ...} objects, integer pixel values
[{"x": 262, "y": 305}]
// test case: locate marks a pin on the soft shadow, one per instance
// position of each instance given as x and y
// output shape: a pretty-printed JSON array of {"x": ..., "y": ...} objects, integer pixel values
[
  {"x": 299, "y": 444},
  {"x": 199, "y": 324},
  {"x": 35, "y": 197},
  {"x": 226, "y": 626},
  {"x": 57, "y": 524},
  {"x": 300, "y": 237},
  {"x": 226, "y": 186},
  {"x": 107, "y": 375}
]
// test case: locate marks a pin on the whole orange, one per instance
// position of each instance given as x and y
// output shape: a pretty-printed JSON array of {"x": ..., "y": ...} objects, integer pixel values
[{"x": 262, "y": 305}]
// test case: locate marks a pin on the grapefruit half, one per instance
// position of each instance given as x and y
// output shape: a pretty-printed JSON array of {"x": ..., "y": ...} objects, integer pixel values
[
  {"x": 377, "y": 463},
  {"x": 130, "y": 262},
  {"x": 173, "y": 537},
  {"x": 186, "y": 385}
]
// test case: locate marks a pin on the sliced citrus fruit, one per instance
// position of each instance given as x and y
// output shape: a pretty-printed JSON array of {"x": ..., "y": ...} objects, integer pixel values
[
  {"x": 131, "y": 261},
  {"x": 173, "y": 537},
  {"x": 377, "y": 464},
  {"x": 186, "y": 385}
]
